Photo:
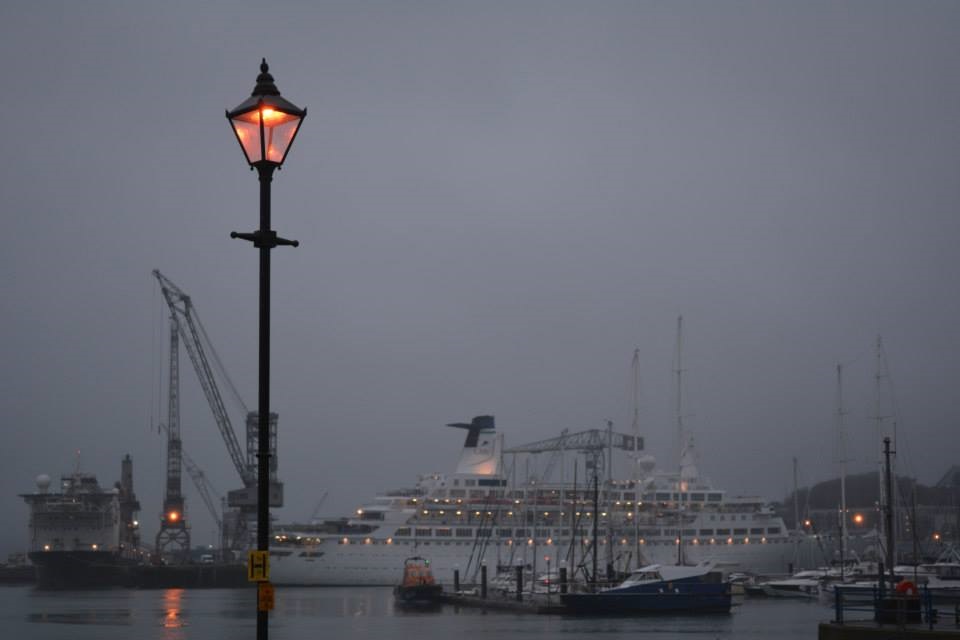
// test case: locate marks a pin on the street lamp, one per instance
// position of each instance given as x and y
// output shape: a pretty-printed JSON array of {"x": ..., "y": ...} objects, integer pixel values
[{"x": 265, "y": 125}]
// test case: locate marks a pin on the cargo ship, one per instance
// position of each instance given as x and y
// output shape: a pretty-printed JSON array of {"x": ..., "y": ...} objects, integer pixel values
[{"x": 83, "y": 535}]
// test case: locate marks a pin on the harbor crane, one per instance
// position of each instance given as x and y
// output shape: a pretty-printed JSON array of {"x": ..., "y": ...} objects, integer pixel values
[
  {"x": 173, "y": 538},
  {"x": 197, "y": 343},
  {"x": 595, "y": 445},
  {"x": 204, "y": 488}
]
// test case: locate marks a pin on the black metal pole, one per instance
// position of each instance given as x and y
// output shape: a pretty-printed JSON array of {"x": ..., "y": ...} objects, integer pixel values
[
  {"x": 264, "y": 239},
  {"x": 263, "y": 405},
  {"x": 888, "y": 512}
]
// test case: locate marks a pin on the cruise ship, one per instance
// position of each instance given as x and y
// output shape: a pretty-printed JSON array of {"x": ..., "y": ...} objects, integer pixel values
[{"x": 498, "y": 510}]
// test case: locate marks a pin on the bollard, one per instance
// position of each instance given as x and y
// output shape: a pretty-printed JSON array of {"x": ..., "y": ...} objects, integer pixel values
[
  {"x": 456, "y": 580},
  {"x": 519, "y": 583},
  {"x": 483, "y": 582},
  {"x": 563, "y": 579}
]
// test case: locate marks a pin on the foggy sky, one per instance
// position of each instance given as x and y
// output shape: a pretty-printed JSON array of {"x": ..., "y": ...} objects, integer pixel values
[{"x": 497, "y": 202}]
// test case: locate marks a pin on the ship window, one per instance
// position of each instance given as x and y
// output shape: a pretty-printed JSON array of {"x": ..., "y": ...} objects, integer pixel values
[
  {"x": 756, "y": 531},
  {"x": 714, "y": 497},
  {"x": 464, "y": 533},
  {"x": 520, "y": 533},
  {"x": 504, "y": 533},
  {"x": 456, "y": 483},
  {"x": 371, "y": 515},
  {"x": 697, "y": 497},
  {"x": 773, "y": 529},
  {"x": 443, "y": 533},
  {"x": 706, "y": 532},
  {"x": 423, "y": 532},
  {"x": 739, "y": 532},
  {"x": 689, "y": 532},
  {"x": 663, "y": 497},
  {"x": 457, "y": 493},
  {"x": 469, "y": 483},
  {"x": 723, "y": 532},
  {"x": 403, "y": 531}
]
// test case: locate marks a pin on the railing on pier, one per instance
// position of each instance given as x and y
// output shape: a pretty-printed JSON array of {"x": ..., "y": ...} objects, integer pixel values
[{"x": 893, "y": 608}]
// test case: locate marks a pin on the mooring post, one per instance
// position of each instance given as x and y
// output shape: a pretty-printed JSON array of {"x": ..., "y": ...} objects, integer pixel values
[
  {"x": 456, "y": 580},
  {"x": 483, "y": 582},
  {"x": 563, "y": 579},
  {"x": 519, "y": 583}
]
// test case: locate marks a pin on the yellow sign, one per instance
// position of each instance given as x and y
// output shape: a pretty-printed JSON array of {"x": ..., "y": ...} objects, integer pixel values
[
  {"x": 265, "y": 599},
  {"x": 258, "y": 566}
]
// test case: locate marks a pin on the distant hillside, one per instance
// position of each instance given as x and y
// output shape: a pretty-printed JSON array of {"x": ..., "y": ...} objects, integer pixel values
[{"x": 863, "y": 491}]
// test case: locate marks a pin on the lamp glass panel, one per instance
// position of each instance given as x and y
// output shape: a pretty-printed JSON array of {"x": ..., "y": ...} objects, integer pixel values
[
  {"x": 249, "y": 135},
  {"x": 278, "y": 135}
]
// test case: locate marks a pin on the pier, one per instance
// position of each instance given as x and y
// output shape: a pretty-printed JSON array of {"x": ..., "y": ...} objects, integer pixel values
[{"x": 891, "y": 617}]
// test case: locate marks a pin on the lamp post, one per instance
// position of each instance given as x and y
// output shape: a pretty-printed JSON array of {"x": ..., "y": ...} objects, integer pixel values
[{"x": 265, "y": 125}]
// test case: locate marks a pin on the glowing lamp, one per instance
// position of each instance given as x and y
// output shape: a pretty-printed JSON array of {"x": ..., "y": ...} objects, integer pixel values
[
  {"x": 173, "y": 516},
  {"x": 266, "y": 123}
]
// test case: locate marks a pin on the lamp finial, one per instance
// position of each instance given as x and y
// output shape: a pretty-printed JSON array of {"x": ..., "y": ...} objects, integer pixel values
[{"x": 265, "y": 85}]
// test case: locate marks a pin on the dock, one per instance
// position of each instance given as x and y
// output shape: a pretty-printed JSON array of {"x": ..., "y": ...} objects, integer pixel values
[
  {"x": 891, "y": 617},
  {"x": 531, "y": 603}
]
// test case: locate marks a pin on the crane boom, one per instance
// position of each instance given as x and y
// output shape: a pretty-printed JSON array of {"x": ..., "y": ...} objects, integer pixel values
[
  {"x": 181, "y": 306},
  {"x": 589, "y": 440}
]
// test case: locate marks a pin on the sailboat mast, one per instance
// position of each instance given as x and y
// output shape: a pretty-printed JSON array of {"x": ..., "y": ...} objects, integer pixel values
[
  {"x": 883, "y": 384},
  {"x": 796, "y": 517},
  {"x": 891, "y": 540},
  {"x": 636, "y": 455},
  {"x": 679, "y": 417},
  {"x": 596, "y": 515},
  {"x": 678, "y": 410},
  {"x": 842, "y": 454}
]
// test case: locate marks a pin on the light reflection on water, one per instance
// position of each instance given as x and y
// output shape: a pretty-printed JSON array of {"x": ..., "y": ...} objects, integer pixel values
[
  {"x": 171, "y": 606},
  {"x": 211, "y": 614}
]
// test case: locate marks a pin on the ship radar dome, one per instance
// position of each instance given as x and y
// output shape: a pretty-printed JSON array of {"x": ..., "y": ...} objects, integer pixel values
[{"x": 43, "y": 482}]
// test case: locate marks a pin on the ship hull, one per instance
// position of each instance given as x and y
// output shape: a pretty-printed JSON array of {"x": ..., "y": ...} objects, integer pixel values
[
  {"x": 81, "y": 570},
  {"x": 714, "y": 598}
]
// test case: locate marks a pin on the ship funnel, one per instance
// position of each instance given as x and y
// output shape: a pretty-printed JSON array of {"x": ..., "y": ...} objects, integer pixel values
[
  {"x": 477, "y": 425},
  {"x": 482, "y": 447}
]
